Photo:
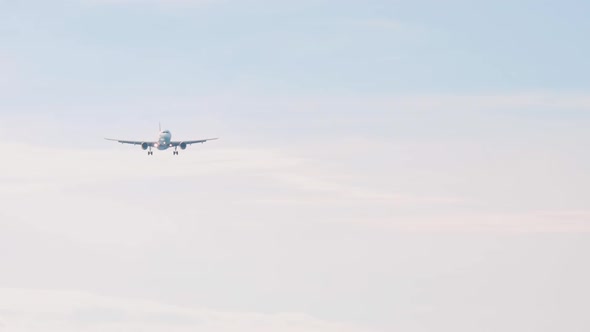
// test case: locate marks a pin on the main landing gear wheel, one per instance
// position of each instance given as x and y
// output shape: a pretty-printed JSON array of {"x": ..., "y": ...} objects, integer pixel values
[
  {"x": 150, "y": 153},
  {"x": 175, "y": 153}
]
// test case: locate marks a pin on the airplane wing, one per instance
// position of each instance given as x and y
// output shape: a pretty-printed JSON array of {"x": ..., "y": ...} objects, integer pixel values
[
  {"x": 131, "y": 142},
  {"x": 177, "y": 143}
]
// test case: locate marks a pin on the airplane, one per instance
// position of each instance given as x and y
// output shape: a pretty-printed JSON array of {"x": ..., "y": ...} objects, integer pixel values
[{"x": 163, "y": 142}]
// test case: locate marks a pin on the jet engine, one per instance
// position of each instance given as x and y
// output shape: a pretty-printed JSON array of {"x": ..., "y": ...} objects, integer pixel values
[
  {"x": 144, "y": 146},
  {"x": 182, "y": 145}
]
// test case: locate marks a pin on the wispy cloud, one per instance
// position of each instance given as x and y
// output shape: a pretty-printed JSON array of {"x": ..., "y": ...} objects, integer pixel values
[
  {"x": 276, "y": 180},
  {"x": 560, "y": 221},
  {"x": 352, "y": 177},
  {"x": 45, "y": 310},
  {"x": 454, "y": 102}
]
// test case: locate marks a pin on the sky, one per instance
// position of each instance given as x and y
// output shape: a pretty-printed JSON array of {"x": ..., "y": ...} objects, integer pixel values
[{"x": 382, "y": 166}]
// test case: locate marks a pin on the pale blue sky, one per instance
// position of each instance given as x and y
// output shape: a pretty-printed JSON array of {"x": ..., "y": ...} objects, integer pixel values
[
  {"x": 373, "y": 47},
  {"x": 383, "y": 166}
]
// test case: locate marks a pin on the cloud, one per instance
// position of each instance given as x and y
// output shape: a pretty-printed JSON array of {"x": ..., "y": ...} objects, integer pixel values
[
  {"x": 72, "y": 182},
  {"x": 408, "y": 183},
  {"x": 49, "y": 310},
  {"x": 449, "y": 102},
  {"x": 63, "y": 168},
  {"x": 558, "y": 221},
  {"x": 339, "y": 192}
]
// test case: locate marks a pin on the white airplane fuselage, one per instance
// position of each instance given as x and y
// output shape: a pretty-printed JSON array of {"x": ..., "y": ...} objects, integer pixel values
[{"x": 163, "y": 142}]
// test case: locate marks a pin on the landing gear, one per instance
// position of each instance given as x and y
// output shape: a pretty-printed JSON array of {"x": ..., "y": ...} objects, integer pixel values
[
  {"x": 175, "y": 153},
  {"x": 150, "y": 152}
]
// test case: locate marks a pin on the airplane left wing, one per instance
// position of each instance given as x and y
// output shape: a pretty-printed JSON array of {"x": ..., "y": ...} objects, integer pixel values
[{"x": 179, "y": 143}]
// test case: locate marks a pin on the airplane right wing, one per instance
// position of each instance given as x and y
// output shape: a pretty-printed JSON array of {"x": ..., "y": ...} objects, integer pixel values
[{"x": 151, "y": 144}]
